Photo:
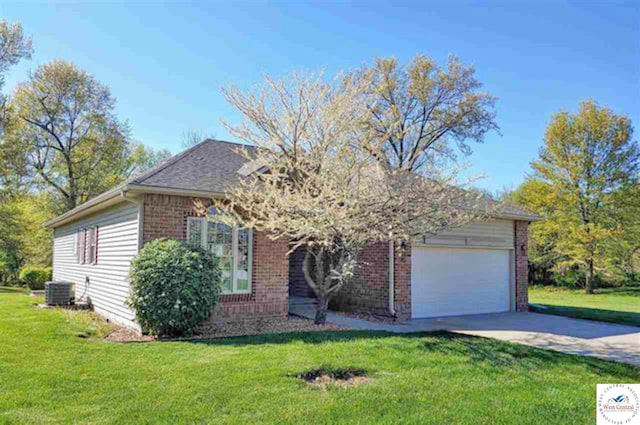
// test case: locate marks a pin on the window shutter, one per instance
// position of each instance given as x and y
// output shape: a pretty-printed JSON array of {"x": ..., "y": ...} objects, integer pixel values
[
  {"x": 92, "y": 245},
  {"x": 89, "y": 259},
  {"x": 95, "y": 242},
  {"x": 81, "y": 246},
  {"x": 84, "y": 246}
]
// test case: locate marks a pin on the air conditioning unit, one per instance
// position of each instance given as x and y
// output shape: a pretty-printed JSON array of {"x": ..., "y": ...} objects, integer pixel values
[{"x": 58, "y": 293}]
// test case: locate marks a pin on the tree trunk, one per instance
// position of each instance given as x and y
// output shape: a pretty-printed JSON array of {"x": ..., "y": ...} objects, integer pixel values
[
  {"x": 321, "y": 312},
  {"x": 320, "y": 268},
  {"x": 589, "y": 278},
  {"x": 70, "y": 203}
]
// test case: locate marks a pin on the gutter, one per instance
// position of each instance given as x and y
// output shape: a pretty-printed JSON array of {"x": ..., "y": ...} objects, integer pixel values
[
  {"x": 515, "y": 217},
  {"x": 123, "y": 193},
  {"x": 88, "y": 207}
]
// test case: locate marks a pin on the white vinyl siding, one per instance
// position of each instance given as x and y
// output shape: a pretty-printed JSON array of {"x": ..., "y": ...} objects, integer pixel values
[
  {"x": 117, "y": 244},
  {"x": 491, "y": 233}
]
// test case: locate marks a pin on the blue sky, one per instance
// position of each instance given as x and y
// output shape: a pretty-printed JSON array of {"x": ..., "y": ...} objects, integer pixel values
[{"x": 165, "y": 62}]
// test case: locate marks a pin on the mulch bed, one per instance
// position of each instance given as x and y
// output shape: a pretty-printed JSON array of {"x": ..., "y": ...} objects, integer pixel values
[
  {"x": 128, "y": 335},
  {"x": 225, "y": 330}
]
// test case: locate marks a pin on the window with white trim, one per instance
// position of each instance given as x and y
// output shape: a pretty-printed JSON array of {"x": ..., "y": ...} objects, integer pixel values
[{"x": 233, "y": 246}]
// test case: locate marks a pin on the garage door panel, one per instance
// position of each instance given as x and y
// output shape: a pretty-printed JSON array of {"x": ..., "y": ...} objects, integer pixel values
[{"x": 457, "y": 281}]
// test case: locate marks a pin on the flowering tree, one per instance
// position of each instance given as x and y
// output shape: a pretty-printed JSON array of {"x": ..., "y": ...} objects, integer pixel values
[{"x": 323, "y": 179}]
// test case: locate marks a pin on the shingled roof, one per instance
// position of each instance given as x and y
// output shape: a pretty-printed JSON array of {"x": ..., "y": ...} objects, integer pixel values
[{"x": 210, "y": 166}]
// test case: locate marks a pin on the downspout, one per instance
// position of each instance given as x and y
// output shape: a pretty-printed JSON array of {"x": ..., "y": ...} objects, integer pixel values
[{"x": 392, "y": 283}]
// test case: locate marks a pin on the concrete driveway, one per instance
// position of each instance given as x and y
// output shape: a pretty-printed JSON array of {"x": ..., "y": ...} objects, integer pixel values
[{"x": 583, "y": 337}]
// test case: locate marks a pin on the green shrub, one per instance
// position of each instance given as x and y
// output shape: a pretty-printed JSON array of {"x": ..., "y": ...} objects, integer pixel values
[
  {"x": 174, "y": 287},
  {"x": 35, "y": 276}
]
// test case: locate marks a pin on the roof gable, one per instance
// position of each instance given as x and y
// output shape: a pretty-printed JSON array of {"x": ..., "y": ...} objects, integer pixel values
[{"x": 210, "y": 166}]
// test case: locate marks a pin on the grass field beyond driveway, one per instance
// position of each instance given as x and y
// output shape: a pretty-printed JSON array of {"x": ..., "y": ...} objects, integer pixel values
[
  {"x": 617, "y": 305},
  {"x": 48, "y": 374}
]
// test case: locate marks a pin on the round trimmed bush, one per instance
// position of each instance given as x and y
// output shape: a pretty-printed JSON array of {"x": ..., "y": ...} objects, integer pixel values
[
  {"x": 35, "y": 276},
  {"x": 174, "y": 287}
]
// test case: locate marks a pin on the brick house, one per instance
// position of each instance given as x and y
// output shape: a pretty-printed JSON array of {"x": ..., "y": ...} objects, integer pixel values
[{"x": 478, "y": 268}]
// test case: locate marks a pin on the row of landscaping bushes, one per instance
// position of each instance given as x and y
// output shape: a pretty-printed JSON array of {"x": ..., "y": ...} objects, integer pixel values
[
  {"x": 34, "y": 277},
  {"x": 574, "y": 277}
]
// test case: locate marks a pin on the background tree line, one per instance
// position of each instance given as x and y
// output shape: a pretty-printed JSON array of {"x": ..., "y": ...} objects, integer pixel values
[
  {"x": 585, "y": 183},
  {"x": 61, "y": 144}
]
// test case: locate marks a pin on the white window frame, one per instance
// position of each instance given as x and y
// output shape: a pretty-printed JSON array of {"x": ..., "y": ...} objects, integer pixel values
[{"x": 234, "y": 253}]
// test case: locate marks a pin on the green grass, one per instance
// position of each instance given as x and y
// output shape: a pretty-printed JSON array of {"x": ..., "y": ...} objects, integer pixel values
[
  {"x": 617, "y": 305},
  {"x": 50, "y": 375}
]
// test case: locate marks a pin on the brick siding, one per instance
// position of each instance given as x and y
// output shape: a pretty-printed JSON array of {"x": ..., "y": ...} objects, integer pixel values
[
  {"x": 402, "y": 282},
  {"x": 522, "y": 265},
  {"x": 165, "y": 216},
  {"x": 369, "y": 290}
]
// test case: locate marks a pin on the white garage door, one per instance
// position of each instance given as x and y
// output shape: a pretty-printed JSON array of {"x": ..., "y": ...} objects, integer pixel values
[{"x": 458, "y": 281}]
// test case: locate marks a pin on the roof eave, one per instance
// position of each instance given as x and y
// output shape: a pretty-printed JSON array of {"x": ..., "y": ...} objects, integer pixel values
[
  {"x": 110, "y": 197},
  {"x": 518, "y": 217},
  {"x": 119, "y": 194},
  {"x": 163, "y": 190}
]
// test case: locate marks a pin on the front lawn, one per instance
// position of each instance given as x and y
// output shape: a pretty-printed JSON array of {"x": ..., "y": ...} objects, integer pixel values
[
  {"x": 49, "y": 374},
  {"x": 617, "y": 305}
]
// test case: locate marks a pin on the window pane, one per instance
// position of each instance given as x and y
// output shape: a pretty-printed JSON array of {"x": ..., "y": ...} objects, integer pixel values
[
  {"x": 243, "y": 260},
  {"x": 220, "y": 239},
  {"x": 226, "y": 265},
  {"x": 220, "y": 243},
  {"x": 194, "y": 231}
]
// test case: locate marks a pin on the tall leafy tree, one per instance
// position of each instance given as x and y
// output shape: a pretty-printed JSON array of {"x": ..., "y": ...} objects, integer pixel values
[
  {"x": 538, "y": 196},
  {"x": 10, "y": 227},
  {"x": 323, "y": 176},
  {"x": 74, "y": 144},
  {"x": 14, "y": 46},
  {"x": 424, "y": 113},
  {"x": 36, "y": 242},
  {"x": 68, "y": 128},
  {"x": 623, "y": 252},
  {"x": 589, "y": 164},
  {"x": 141, "y": 157}
]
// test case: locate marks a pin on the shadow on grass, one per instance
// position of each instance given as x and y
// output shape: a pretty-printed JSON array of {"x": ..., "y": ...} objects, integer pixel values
[
  {"x": 505, "y": 355},
  {"x": 12, "y": 290},
  {"x": 627, "y": 291},
  {"x": 315, "y": 337},
  {"x": 480, "y": 352},
  {"x": 613, "y": 316}
]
